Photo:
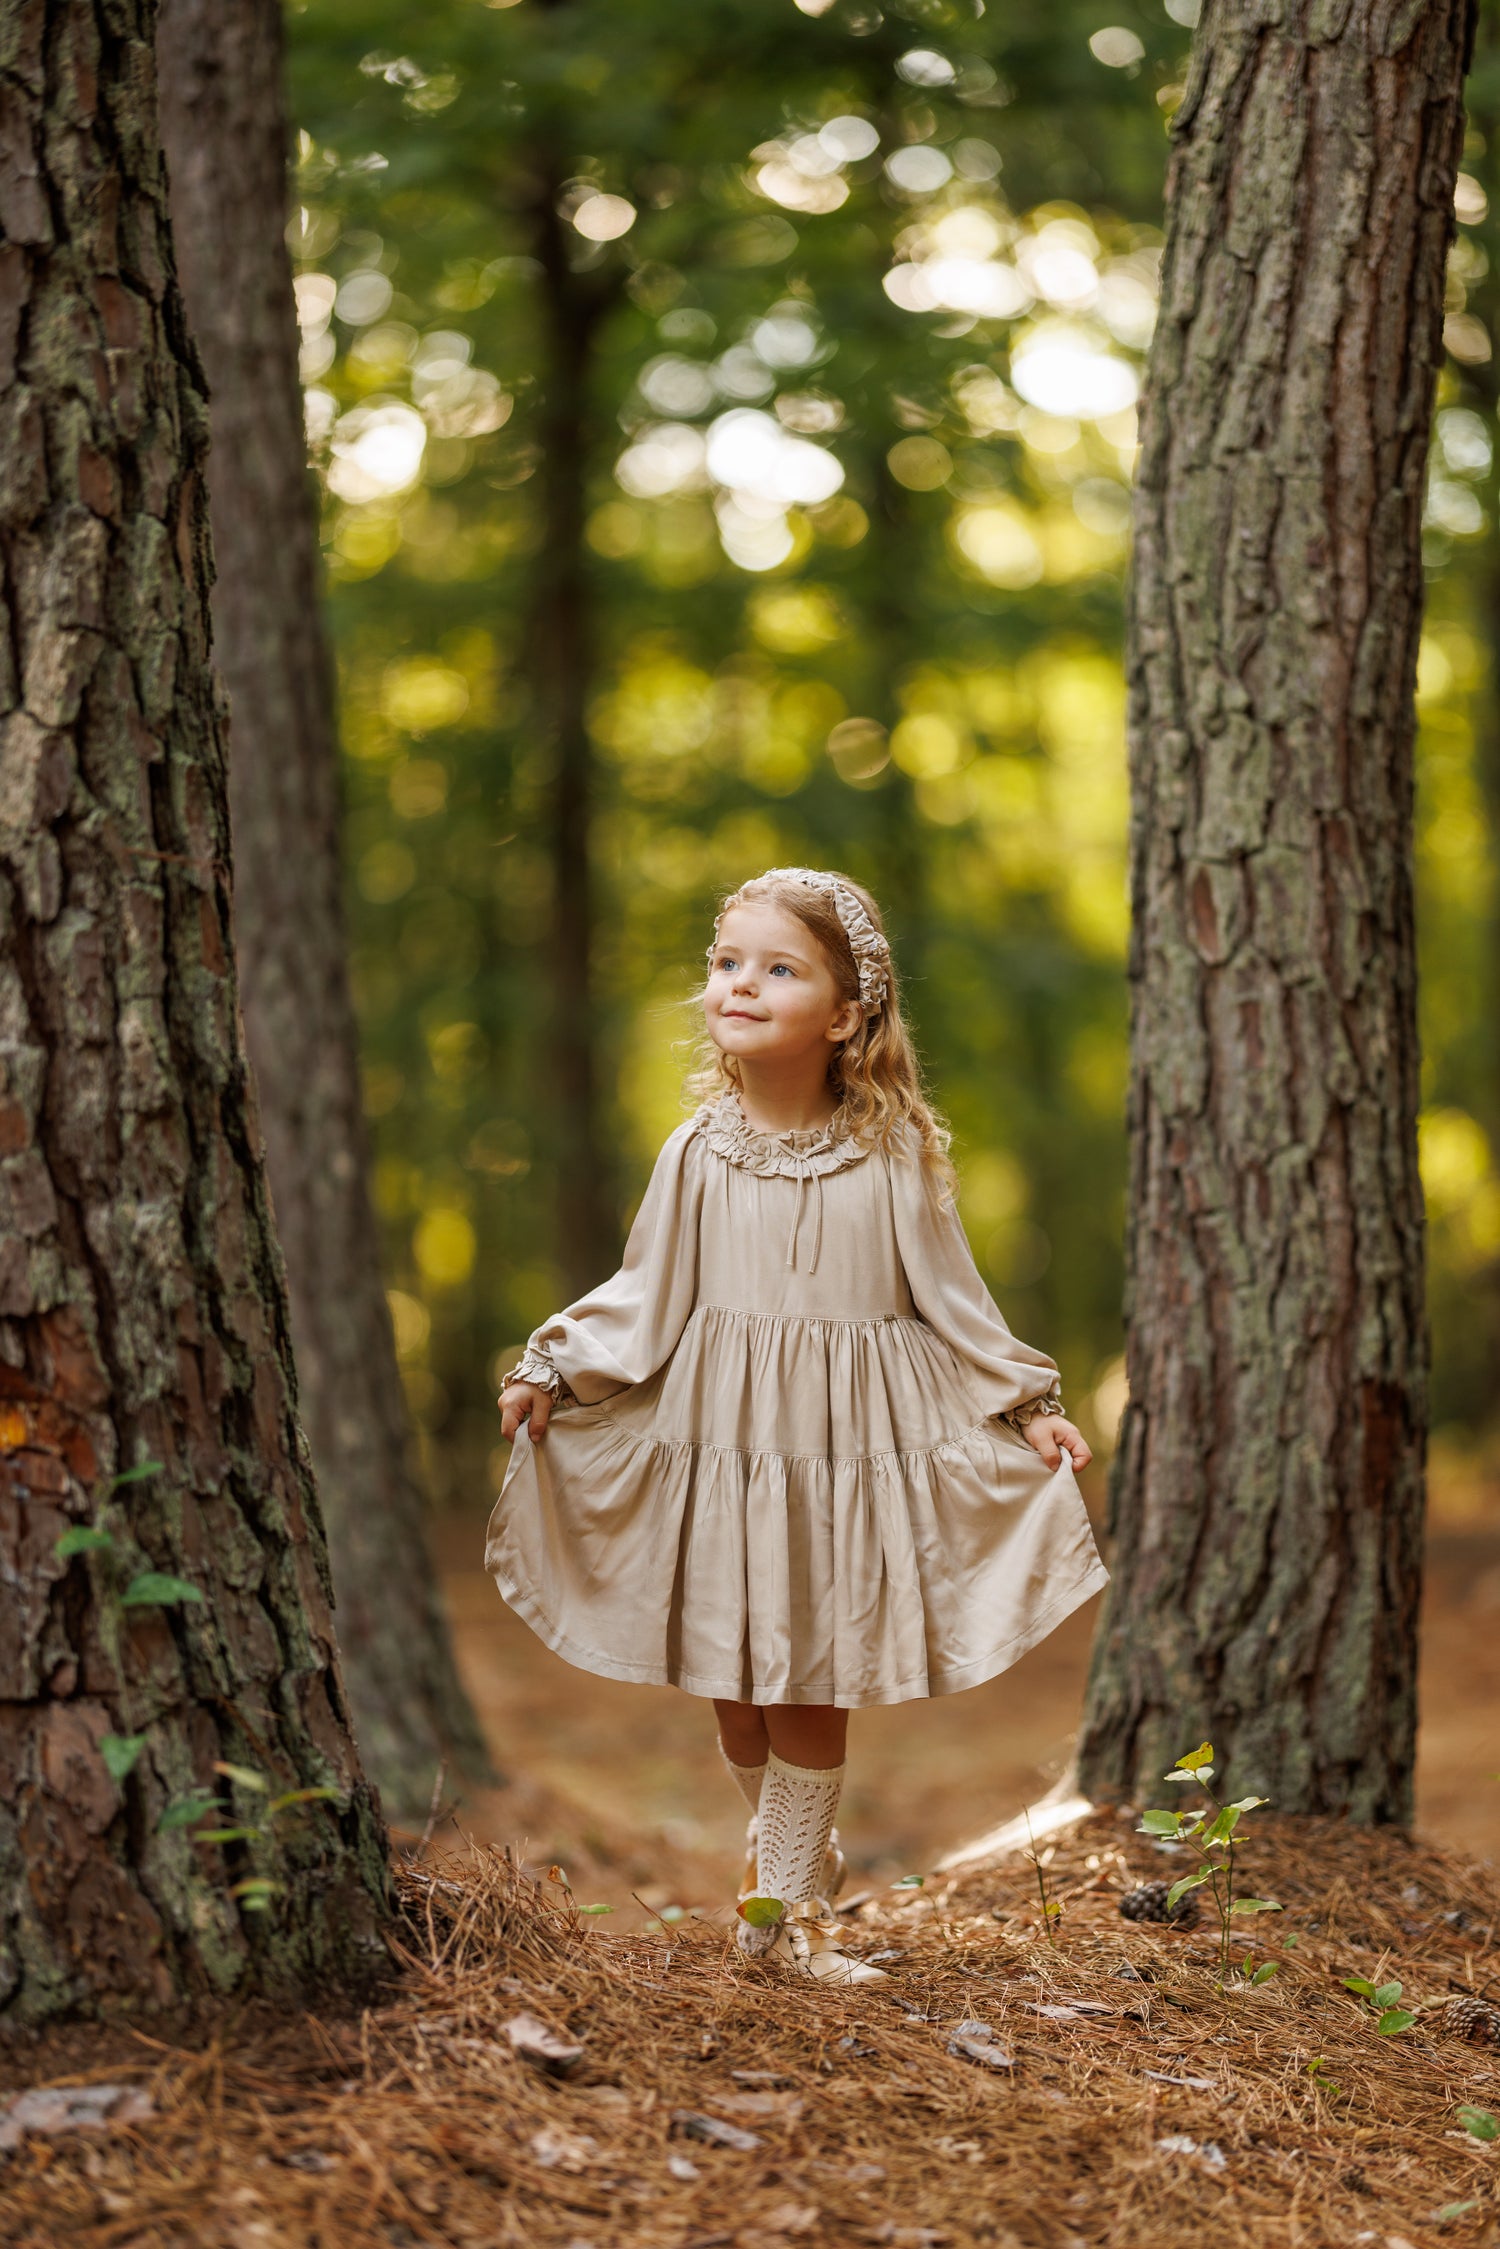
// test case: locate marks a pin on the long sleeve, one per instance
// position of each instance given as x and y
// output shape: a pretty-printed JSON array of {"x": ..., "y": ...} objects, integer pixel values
[
  {"x": 623, "y": 1331},
  {"x": 946, "y": 1288}
]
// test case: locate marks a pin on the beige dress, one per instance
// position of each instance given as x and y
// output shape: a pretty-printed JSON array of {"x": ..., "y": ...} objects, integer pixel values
[{"x": 784, "y": 1478}]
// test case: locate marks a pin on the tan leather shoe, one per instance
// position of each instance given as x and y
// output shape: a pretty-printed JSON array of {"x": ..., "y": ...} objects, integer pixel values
[{"x": 809, "y": 1941}]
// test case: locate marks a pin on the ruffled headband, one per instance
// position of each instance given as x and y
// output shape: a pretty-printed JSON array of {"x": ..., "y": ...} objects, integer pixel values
[{"x": 872, "y": 955}]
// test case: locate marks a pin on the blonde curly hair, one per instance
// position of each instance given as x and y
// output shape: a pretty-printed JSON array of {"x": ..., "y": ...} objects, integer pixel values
[{"x": 874, "y": 1073}]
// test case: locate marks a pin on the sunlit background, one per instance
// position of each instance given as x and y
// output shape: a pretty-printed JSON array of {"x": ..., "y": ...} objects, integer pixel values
[{"x": 799, "y": 346}]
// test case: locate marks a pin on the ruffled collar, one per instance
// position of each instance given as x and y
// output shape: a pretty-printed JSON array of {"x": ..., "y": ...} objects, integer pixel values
[{"x": 779, "y": 1155}]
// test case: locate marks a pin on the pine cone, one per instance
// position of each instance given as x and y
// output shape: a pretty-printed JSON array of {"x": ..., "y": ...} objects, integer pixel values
[
  {"x": 1474, "y": 2019},
  {"x": 1148, "y": 1902}
]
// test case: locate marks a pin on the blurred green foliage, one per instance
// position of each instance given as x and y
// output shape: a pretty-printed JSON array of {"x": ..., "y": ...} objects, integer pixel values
[{"x": 860, "y": 302}]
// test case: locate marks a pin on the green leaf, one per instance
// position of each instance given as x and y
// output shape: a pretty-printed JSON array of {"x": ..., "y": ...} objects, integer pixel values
[
  {"x": 300, "y": 1796},
  {"x": 1197, "y": 1759},
  {"x": 136, "y": 1475},
  {"x": 672, "y": 1913},
  {"x": 1181, "y": 1889},
  {"x": 1248, "y": 1803},
  {"x": 1479, "y": 2123},
  {"x": 157, "y": 1589},
  {"x": 761, "y": 1913},
  {"x": 1264, "y": 1973},
  {"x": 1054, "y": 1908},
  {"x": 227, "y": 1834},
  {"x": 1452, "y": 2210},
  {"x": 185, "y": 1812},
  {"x": 1222, "y": 1829},
  {"x": 1386, "y": 1994},
  {"x": 120, "y": 1752},
  {"x": 596, "y": 1909},
  {"x": 1358, "y": 1983},
  {"x": 245, "y": 1776},
  {"x": 1394, "y": 2021},
  {"x": 1255, "y": 1905},
  {"x": 909, "y": 1882},
  {"x": 1160, "y": 1823},
  {"x": 1184, "y": 1778},
  {"x": 1292, "y": 1939},
  {"x": 255, "y": 1892},
  {"x": 81, "y": 1539}
]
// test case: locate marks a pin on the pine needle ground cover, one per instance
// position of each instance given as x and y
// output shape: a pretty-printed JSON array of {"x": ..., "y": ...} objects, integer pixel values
[{"x": 528, "y": 2078}]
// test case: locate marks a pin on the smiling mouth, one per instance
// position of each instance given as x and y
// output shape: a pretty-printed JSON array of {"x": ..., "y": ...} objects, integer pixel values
[{"x": 739, "y": 1015}]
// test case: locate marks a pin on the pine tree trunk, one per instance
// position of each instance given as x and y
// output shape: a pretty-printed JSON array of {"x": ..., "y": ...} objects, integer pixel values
[
  {"x": 142, "y": 1305},
  {"x": 1268, "y": 1494},
  {"x": 224, "y": 131},
  {"x": 586, "y": 1228}
]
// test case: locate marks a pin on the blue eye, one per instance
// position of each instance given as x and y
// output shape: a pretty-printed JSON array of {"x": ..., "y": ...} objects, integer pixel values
[
  {"x": 726, "y": 960},
  {"x": 781, "y": 969}
]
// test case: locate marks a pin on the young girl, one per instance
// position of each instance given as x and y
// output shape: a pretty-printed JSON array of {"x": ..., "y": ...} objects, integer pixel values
[{"x": 791, "y": 1457}]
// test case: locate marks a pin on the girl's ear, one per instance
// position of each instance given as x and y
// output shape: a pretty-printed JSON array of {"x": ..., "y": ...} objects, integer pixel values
[{"x": 845, "y": 1023}]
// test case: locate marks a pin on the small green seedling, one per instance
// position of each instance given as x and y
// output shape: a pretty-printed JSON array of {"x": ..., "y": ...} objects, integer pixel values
[
  {"x": 1479, "y": 2123},
  {"x": 1254, "y": 1975},
  {"x": 1381, "y": 1999},
  {"x": 909, "y": 1882},
  {"x": 255, "y": 1891},
  {"x": 1211, "y": 1834},
  {"x": 1051, "y": 1907},
  {"x": 1317, "y": 2070}
]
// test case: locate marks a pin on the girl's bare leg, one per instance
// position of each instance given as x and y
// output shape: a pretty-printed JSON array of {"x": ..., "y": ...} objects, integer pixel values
[
  {"x": 810, "y": 1734},
  {"x": 742, "y": 1732}
]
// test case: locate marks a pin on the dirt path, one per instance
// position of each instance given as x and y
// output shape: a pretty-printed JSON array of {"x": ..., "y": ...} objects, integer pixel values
[{"x": 623, "y": 1782}]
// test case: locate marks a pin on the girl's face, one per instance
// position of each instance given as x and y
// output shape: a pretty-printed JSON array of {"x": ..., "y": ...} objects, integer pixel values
[{"x": 771, "y": 996}]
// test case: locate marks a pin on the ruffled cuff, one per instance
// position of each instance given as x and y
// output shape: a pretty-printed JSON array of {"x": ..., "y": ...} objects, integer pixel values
[
  {"x": 535, "y": 1366},
  {"x": 1018, "y": 1416}
]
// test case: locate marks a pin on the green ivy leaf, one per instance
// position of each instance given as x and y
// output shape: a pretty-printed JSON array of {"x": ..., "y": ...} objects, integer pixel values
[
  {"x": 1255, "y": 1905},
  {"x": 1394, "y": 2021},
  {"x": 81, "y": 1539},
  {"x": 120, "y": 1752},
  {"x": 1479, "y": 2123},
  {"x": 157, "y": 1589},
  {"x": 186, "y": 1812},
  {"x": 136, "y": 1475},
  {"x": 761, "y": 1913},
  {"x": 245, "y": 1775}
]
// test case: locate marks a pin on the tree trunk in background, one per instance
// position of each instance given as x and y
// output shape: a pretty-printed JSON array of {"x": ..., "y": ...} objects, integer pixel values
[
  {"x": 586, "y": 1223},
  {"x": 142, "y": 1306},
  {"x": 224, "y": 130},
  {"x": 1268, "y": 1494}
]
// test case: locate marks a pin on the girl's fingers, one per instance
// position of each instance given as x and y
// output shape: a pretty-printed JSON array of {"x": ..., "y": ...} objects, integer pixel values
[{"x": 541, "y": 1410}]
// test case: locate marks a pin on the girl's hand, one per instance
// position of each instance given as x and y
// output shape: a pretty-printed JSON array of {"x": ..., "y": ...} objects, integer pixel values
[
  {"x": 1052, "y": 1436},
  {"x": 523, "y": 1401}
]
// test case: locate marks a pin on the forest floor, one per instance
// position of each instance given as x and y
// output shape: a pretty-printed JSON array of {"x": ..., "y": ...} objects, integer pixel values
[
  {"x": 1091, "y": 2090},
  {"x": 529, "y": 2080}
]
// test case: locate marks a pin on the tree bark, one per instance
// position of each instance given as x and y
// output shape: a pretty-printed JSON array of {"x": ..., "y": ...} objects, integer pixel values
[
  {"x": 142, "y": 1304},
  {"x": 225, "y": 135},
  {"x": 586, "y": 1224},
  {"x": 1268, "y": 1491}
]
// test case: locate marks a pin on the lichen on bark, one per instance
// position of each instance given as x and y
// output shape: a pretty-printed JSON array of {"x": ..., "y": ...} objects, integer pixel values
[
  {"x": 1267, "y": 1497},
  {"x": 142, "y": 1302}
]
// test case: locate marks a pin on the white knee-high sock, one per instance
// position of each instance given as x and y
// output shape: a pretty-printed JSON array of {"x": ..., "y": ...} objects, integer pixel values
[
  {"x": 797, "y": 1804},
  {"x": 747, "y": 1779}
]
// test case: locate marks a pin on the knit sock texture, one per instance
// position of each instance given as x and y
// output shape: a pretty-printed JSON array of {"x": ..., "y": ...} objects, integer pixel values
[
  {"x": 747, "y": 1779},
  {"x": 797, "y": 1804}
]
